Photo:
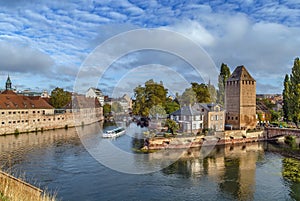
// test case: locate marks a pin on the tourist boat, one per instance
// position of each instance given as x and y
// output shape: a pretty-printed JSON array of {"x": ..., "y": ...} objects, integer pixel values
[{"x": 114, "y": 133}]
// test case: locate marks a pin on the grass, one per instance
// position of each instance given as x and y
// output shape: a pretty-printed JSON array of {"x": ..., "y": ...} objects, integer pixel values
[{"x": 14, "y": 189}]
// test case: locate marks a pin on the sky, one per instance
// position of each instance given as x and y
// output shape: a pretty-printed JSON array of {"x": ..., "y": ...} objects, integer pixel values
[{"x": 45, "y": 44}]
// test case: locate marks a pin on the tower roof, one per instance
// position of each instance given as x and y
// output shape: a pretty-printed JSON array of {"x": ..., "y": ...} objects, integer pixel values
[
  {"x": 8, "y": 81},
  {"x": 240, "y": 73}
]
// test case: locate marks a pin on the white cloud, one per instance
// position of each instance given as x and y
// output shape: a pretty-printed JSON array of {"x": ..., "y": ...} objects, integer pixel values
[{"x": 24, "y": 59}]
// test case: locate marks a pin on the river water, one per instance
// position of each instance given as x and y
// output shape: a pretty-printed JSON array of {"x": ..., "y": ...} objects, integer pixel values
[{"x": 62, "y": 162}]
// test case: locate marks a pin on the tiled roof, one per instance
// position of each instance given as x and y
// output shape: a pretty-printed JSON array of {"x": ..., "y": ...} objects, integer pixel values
[
  {"x": 10, "y": 100},
  {"x": 79, "y": 102},
  {"x": 240, "y": 73},
  {"x": 186, "y": 111}
]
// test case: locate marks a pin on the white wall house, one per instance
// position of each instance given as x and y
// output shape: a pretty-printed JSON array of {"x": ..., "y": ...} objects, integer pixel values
[
  {"x": 189, "y": 119},
  {"x": 95, "y": 93}
]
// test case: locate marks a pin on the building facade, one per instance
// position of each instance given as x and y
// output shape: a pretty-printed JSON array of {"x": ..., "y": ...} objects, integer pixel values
[
  {"x": 19, "y": 113},
  {"x": 95, "y": 93},
  {"x": 200, "y": 116},
  {"x": 240, "y": 100},
  {"x": 189, "y": 119},
  {"x": 214, "y": 116}
]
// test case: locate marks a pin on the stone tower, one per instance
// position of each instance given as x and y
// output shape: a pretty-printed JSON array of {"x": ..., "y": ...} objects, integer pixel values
[
  {"x": 240, "y": 100},
  {"x": 8, "y": 83}
]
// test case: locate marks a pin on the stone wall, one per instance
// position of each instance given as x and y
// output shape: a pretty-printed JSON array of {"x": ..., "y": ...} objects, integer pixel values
[
  {"x": 278, "y": 132},
  {"x": 18, "y": 121}
]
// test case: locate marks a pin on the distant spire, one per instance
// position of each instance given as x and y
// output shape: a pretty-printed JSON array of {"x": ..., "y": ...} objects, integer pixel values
[{"x": 8, "y": 83}]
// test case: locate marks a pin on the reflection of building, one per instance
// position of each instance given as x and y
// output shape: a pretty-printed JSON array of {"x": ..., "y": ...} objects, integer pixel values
[
  {"x": 240, "y": 99},
  {"x": 95, "y": 93}
]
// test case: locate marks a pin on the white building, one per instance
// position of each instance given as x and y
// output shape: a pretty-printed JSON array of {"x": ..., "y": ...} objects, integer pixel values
[{"x": 95, "y": 93}]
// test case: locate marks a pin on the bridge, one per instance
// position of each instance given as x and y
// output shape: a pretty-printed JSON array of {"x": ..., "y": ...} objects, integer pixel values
[{"x": 272, "y": 133}]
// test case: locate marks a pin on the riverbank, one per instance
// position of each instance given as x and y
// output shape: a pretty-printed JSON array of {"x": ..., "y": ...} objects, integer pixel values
[
  {"x": 15, "y": 189},
  {"x": 218, "y": 138}
]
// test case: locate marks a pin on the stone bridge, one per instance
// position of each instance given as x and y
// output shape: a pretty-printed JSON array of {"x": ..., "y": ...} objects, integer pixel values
[{"x": 272, "y": 133}]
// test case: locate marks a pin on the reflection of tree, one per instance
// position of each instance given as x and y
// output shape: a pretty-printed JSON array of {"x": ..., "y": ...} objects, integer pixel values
[
  {"x": 230, "y": 181},
  {"x": 291, "y": 169}
]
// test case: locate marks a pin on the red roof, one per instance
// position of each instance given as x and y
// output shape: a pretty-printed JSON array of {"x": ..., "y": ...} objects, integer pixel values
[{"x": 11, "y": 100}]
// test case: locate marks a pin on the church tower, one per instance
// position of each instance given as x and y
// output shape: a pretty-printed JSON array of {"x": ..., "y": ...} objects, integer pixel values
[
  {"x": 240, "y": 100},
  {"x": 8, "y": 84}
]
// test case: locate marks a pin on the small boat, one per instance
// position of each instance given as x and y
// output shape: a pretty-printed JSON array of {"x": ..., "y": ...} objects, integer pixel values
[{"x": 114, "y": 133}]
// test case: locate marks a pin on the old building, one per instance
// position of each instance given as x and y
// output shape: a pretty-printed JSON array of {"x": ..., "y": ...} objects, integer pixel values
[
  {"x": 200, "y": 116},
  {"x": 189, "y": 119},
  {"x": 95, "y": 93},
  {"x": 240, "y": 100},
  {"x": 214, "y": 116},
  {"x": 20, "y": 113}
]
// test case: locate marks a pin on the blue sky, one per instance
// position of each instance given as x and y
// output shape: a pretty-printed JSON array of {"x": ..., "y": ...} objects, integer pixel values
[{"x": 44, "y": 43}]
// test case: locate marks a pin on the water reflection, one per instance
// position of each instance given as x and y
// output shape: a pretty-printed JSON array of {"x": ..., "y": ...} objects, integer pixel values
[
  {"x": 232, "y": 167},
  {"x": 58, "y": 160}
]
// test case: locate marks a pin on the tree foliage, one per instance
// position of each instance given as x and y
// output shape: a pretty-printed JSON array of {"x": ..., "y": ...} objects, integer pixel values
[
  {"x": 157, "y": 111},
  {"x": 287, "y": 98},
  {"x": 116, "y": 107},
  {"x": 106, "y": 109},
  {"x": 291, "y": 94},
  {"x": 59, "y": 98},
  {"x": 224, "y": 75},
  {"x": 148, "y": 96},
  {"x": 172, "y": 125}
]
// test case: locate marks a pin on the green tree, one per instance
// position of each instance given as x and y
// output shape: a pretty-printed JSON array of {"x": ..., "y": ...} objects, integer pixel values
[
  {"x": 106, "y": 109},
  {"x": 157, "y": 111},
  {"x": 116, "y": 107},
  {"x": 59, "y": 98},
  {"x": 171, "y": 106},
  {"x": 224, "y": 75},
  {"x": 212, "y": 92},
  {"x": 148, "y": 96},
  {"x": 172, "y": 125},
  {"x": 295, "y": 92},
  {"x": 202, "y": 92},
  {"x": 188, "y": 97},
  {"x": 287, "y": 99}
]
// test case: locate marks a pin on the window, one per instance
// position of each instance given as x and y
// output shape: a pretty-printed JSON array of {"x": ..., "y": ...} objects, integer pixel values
[
  {"x": 14, "y": 122},
  {"x": 236, "y": 118},
  {"x": 217, "y": 118},
  {"x": 211, "y": 118},
  {"x": 33, "y": 112},
  {"x": 228, "y": 118},
  {"x": 22, "y": 112},
  {"x": 9, "y": 112},
  {"x": 14, "y": 112},
  {"x": 221, "y": 117},
  {"x": 3, "y": 112},
  {"x": 38, "y": 111},
  {"x": 3, "y": 122}
]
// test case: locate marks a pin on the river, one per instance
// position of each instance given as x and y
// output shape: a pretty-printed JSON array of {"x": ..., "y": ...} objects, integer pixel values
[{"x": 75, "y": 168}]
